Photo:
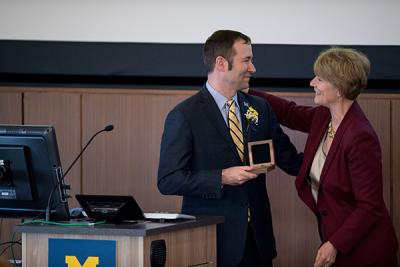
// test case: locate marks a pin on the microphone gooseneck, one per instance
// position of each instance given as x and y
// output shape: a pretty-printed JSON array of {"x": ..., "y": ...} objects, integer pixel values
[{"x": 108, "y": 128}]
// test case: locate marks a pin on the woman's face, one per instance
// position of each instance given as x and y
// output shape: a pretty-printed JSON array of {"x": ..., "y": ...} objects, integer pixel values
[{"x": 325, "y": 93}]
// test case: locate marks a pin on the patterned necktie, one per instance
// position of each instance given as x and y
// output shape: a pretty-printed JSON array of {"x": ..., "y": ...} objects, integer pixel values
[
  {"x": 235, "y": 128},
  {"x": 237, "y": 136}
]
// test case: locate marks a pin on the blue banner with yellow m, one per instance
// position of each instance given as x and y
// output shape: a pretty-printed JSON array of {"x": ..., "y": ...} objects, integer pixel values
[{"x": 81, "y": 253}]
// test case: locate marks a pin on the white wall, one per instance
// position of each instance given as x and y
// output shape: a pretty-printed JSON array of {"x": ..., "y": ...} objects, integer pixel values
[{"x": 346, "y": 22}]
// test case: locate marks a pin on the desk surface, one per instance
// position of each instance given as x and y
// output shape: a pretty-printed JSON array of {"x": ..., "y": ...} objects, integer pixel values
[{"x": 142, "y": 228}]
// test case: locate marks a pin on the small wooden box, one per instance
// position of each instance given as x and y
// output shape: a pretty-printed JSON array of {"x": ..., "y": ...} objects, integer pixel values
[{"x": 262, "y": 156}]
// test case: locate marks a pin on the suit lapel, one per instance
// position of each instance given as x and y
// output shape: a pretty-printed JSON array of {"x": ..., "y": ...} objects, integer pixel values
[
  {"x": 245, "y": 129},
  {"x": 212, "y": 112}
]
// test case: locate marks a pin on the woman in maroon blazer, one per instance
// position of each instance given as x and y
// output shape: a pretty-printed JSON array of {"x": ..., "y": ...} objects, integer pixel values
[{"x": 340, "y": 179}]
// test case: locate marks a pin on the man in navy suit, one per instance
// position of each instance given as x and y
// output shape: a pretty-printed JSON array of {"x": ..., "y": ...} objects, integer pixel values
[{"x": 200, "y": 161}]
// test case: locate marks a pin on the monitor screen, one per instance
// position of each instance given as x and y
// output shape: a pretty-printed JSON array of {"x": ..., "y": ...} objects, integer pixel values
[{"x": 30, "y": 170}]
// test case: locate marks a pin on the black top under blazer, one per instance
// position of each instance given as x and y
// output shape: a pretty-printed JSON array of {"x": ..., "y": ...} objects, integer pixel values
[{"x": 196, "y": 145}]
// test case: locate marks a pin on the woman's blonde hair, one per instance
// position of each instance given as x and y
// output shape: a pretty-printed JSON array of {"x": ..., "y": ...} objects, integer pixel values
[{"x": 346, "y": 68}]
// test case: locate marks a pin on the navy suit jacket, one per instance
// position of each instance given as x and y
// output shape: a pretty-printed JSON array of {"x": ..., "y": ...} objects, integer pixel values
[
  {"x": 350, "y": 209},
  {"x": 196, "y": 146}
]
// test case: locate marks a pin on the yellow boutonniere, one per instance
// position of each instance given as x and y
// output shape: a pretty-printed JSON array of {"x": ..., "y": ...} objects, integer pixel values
[{"x": 251, "y": 115}]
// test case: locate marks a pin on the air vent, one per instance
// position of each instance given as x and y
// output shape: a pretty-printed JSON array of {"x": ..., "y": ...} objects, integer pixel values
[{"x": 158, "y": 253}]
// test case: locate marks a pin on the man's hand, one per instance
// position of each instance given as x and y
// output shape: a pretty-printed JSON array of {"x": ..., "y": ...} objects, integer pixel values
[
  {"x": 326, "y": 255},
  {"x": 237, "y": 175}
]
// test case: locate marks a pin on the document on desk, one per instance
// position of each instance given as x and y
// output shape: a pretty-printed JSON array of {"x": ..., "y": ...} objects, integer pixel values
[{"x": 167, "y": 216}]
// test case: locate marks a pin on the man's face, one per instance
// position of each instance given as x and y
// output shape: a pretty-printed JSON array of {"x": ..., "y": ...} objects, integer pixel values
[{"x": 242, "y": 66}]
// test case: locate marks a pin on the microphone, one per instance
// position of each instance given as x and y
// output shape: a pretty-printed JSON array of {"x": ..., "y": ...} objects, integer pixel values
[{"x": 108, "y": 128}]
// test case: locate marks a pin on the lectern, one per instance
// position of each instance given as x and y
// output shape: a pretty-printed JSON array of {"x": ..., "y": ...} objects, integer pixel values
[{"x": 188, "y": 243}]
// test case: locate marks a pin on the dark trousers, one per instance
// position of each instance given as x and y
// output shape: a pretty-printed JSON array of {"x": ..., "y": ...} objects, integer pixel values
[{"x": 251, "y": 256}]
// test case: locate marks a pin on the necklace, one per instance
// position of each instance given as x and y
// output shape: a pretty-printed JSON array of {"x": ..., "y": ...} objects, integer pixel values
[{"x": 331, "y": 131}]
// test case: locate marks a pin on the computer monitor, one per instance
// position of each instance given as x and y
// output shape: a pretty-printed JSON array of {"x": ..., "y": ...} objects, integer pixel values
[{"x": 30, "y": 169}]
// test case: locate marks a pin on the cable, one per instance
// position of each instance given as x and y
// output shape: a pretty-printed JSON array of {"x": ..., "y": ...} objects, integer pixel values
[
  {"x": 12, "y": 249},
  {"x": 11, "y": 242},
  {"x": 4, "y": 250}
]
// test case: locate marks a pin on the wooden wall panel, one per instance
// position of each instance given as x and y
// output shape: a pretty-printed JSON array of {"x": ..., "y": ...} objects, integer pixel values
[
  {"x": 63, "y": 112},
  {"x": 125, "y": 161},
  {"x": 395, "y": 167},
  {"x": 10, "y": 113},
  {"x": 10, "y": 108}
]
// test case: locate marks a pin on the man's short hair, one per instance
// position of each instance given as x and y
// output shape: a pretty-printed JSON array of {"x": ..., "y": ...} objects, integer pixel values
[{"x": 220, "y": 43}]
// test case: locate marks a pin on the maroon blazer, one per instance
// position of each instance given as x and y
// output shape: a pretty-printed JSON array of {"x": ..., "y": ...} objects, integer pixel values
[{"x": 350, "y": 209}]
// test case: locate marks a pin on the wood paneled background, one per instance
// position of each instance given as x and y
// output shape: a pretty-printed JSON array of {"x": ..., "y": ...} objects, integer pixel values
[{"x": 125, "y": 161}]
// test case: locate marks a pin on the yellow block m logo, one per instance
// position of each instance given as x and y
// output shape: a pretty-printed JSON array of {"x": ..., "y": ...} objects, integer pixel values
[{"x": 72, "y": 261}]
